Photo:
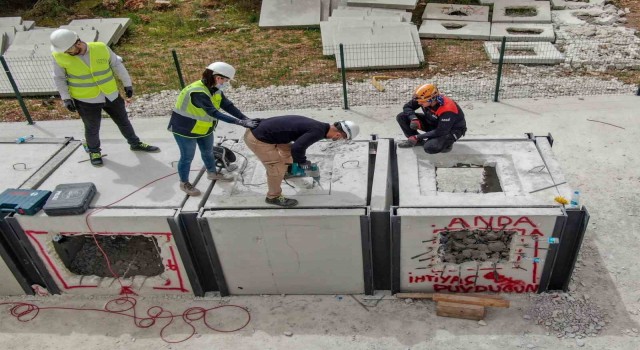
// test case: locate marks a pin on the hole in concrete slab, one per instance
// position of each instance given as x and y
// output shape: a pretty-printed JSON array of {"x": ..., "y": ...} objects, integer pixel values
[
  {"x": 520, "y": 11},
  {"x": 451, "y": 26},
  {"x": 524, "y": 31},
  {"x": 457, "y": 13},
  {"x": 524, "y": 51},
  {"x": 458, "y": 247},
  {"x": 468, "y": 178},
  {"x": 128, "y": 255}
]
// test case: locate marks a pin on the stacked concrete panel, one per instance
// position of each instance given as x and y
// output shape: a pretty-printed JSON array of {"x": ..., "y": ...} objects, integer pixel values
[
  {"x": 390, "y": 4},
  {"x": 520, "y": 217},
  {"x": 541, "y": 11},
  {"x": 292, "y": 14},
  {"x": 455, "y": 22},
  {"x": 372, "y": 38}
]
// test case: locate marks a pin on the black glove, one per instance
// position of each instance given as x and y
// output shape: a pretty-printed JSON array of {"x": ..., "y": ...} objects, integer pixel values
[
  {"x": 128, "y": 91},
  {"x": 305, "y": 165},
  {"x": 249, "y": 123},
  {"x": 70, "y": 105},
  {"x": 415, "y": 123}
]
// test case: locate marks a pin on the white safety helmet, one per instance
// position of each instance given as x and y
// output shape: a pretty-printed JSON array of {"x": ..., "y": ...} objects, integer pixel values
[
  {"x": 348, "y": 127},
  {"x": 62, "y": 40},
  {"x": 222, "y": 68}
]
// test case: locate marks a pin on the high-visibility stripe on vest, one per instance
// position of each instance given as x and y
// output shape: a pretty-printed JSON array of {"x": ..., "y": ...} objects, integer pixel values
[
  {"x": 86, "y": 82},
  {"x": 195, "y": 118}
]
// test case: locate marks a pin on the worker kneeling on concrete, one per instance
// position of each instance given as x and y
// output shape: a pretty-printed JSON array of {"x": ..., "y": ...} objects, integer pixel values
[
  {"x": 281, "y": 142},
  {"x": 442, "y": 121}
]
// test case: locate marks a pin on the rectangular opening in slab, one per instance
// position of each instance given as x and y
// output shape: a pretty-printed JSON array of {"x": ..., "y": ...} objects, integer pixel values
[
  {"x": 453, "y": 26},
  {"x": 128, "y": 255},
  {"x": 519, "y": 51},
  {"x": 468, "y": 178},
  {"x": 521, "y": 11},
  {"x": 458, "y": 247},
  {"x": 524, "y": 31}
]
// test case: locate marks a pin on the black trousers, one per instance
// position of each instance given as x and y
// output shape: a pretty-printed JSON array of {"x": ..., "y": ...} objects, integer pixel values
[
  {"x": 433, "y": 145},
  {"x": 91, "y": 118}
]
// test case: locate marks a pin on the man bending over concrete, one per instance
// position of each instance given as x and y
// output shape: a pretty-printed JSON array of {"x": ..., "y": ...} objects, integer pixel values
[{"x": 280, "y": 141}]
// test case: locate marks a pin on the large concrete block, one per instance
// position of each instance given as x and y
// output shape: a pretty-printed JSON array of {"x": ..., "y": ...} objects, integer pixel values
[
  {"x": 523, "y": 31},
  {"x": 521, "y": 12},
  {"x": 524, "y": 53},
  {"x": 455, "y": 30},
  {"x": 10, "y": 21},
  {"x": 391, "y": 4},
  {"x": 521, "y": 235},
  {"x": 292, "y": 251},
  {"x": 343, "y": 182},
  {"x": 455, "y": 12},
  {"x": 287, "y": 13},
  {"x": 123, "y": 24}
]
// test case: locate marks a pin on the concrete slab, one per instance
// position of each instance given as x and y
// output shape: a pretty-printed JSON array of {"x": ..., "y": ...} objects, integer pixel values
[
  {"x": 385, "y": 46},
  {"x": 455, "y": 30},
  {"x": 28, "y": 25},
  {"x": 9, "y": 34},
  {"x": 417, "y": 43},
  {"x": 391, "y": 4},
  {"x": 86, "y": 34},
  {"x": 10, "y": 285},
  {"x": 422, "y": 268},
  {"x": 575, "y": 4},
  {"x": 105, "y": 32},
  {"x": 3, "y": 42},
  {"x": 455, "y": 12},
  {"x": 344, "y": 11},
  {"x": 98, "y": 22},
  {"x": 525, "y": 53},
  {"x": 10, "y": 21},
  {"x": 523, "y": 31},
  {"x": 572, "y": 17},
  {"x": 125, "y": 172},
  {"x": 325, "y": 9},
  {"x": 541, "y": 12},
  {"x": 327, "y": 28},
  {"x": 287, "y": 13},
  {"x": 342, "y": 166},
  {"x": 290, "y": 251},
  {"x": 36, "y": 36},
  {"x": 23, "y": 161},
  {"x": 512, "y": 160}
]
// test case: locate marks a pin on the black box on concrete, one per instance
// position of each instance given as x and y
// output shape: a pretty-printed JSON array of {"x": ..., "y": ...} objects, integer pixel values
[{"x": 70, "y": 199}]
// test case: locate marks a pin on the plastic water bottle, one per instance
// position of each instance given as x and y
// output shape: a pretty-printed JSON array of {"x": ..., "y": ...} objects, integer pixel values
[
  {"x": 575, "y": 199},
  {"x": 23, "y": 139}
]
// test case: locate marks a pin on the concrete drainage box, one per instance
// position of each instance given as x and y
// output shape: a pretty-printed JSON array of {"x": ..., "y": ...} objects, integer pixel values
[
  {"x": 25, "y": 166},
  {"x": 320, "y": 247},
  {"x": 132, "y": 217},
  {"x": 481, "y": 218}
]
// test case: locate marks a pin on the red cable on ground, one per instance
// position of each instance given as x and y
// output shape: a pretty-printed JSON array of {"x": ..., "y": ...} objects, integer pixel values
[{"x": 25, "y": 312}]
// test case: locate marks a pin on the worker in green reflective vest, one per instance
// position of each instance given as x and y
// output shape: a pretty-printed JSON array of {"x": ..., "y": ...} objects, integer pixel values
[
  {"x": 195, "y": 117},
  {"x": 84, "y": 76}
]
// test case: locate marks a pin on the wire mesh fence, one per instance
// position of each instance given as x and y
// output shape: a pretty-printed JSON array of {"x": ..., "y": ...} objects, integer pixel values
[{"x": 299, "y": 75}]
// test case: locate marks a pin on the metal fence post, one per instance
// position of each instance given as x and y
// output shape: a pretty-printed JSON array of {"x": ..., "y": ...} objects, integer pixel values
[
  {"x": 17, "y": 92},
  {"x": 502, "y": 50},
  {"x": 344, "y": 77},
  {"x": 177, "y": 63}
]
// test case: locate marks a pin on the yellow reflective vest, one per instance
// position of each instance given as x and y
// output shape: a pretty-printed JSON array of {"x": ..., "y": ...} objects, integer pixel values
[
  {"x": 86, "y": 82},
  {"x": 191, "y": 121}
]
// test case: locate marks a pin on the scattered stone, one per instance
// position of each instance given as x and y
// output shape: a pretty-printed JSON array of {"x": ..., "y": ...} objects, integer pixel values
[
  {"x": 580, "y": 342},
  {"x": 482, "y": 323},
  {"x": 287, "y": 333},
  {"x": 408, "y": 301}
]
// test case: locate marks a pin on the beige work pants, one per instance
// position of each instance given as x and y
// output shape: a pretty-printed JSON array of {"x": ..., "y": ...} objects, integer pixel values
[{"x": 274, "y": 158}]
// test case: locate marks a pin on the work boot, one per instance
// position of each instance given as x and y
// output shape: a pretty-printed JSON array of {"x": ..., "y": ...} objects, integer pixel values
[
  {"x": 96, "y": 158},
  {"x": 189, "y": 189},
  {"x": 212, "y": 175},
  {"x": 144, "y": 148},
  {"x": 282, "y": 201}
]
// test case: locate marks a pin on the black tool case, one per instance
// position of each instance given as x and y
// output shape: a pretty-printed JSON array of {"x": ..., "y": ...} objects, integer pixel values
[{"x": 70, "y": 199}]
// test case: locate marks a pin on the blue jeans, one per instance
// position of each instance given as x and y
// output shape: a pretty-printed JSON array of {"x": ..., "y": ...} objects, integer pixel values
[{"x": 187, "y": 146}]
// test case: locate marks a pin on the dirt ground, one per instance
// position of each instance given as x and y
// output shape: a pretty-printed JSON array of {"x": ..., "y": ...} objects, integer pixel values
[{"x": 600, "y": 159}]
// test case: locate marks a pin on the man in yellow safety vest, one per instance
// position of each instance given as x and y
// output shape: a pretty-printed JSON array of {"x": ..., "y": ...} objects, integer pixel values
[{"x": 84, "y": 76}]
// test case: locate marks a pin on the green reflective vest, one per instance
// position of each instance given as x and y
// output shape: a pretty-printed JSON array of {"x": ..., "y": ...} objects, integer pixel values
[
  {"x": 200, "y": 123},
  {"x": 86, "y": 82}
]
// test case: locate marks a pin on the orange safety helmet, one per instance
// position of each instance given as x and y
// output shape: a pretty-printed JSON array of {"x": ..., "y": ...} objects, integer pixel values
[{"x": 426, "y": 92}]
